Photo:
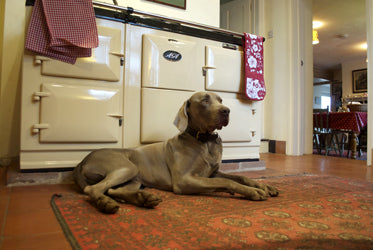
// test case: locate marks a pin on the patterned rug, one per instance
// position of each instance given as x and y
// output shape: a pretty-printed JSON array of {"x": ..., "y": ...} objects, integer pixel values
[{"x": 312, "y": 212}]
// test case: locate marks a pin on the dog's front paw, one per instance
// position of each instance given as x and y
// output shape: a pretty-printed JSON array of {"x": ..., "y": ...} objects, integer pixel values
[
  {"x": 256, "y": 194},
  {"x": 272, "y": 191}
]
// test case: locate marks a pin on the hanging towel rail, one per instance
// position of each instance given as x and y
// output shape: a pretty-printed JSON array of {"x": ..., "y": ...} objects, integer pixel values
[{"x": 198, "y": 25}]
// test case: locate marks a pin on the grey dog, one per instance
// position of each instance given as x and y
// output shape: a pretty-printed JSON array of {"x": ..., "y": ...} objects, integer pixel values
[{"x": 188, "y": 163}]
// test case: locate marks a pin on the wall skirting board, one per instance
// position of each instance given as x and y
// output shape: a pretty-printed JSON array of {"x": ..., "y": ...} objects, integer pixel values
[{"x": 278, "y": 147}]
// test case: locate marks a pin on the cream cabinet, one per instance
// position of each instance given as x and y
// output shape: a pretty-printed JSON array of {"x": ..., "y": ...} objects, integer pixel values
[
  {"x": 128, "y": 93},
  {"x": 69, "y": 110}
]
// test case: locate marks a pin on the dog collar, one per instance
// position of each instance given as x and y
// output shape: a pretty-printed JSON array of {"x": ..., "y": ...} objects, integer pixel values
[{"x": 202, "y": 137}]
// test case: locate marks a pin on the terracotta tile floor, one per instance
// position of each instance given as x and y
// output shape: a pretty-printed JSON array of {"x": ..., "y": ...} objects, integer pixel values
[{"x": 27, "y": 220}]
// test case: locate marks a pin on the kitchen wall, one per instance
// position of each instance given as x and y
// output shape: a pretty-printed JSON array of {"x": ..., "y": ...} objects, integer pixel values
[
  {"x": 277, "y": 75},
  {"x": 369, "y": 15},
  {"x": 288, "y": 74},
  {"x": 347, "y": 68},
  {"x": 2, "y": 13},
  {"x": 10, "y": 77},
  {"x": 202, "y": 11}
]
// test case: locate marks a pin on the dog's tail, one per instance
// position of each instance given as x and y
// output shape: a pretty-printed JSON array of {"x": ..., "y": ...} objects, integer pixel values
[{"x": 78, "y": 176}]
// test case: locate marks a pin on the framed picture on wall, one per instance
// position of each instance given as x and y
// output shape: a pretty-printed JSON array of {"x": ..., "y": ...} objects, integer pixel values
[
  {"x": 359, "y": 81},
  {"x": 174, "y": 3}
]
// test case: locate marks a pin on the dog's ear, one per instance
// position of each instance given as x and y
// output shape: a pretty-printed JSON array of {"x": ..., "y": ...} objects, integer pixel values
[{"x": 181, "y": 119}]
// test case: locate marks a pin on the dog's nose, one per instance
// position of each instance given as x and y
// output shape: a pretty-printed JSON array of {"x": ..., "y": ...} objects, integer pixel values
[{"x": 225, "y": 111}]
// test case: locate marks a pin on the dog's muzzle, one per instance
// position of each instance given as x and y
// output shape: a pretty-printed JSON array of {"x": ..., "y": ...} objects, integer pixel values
[{"x": 224, "y": 117}]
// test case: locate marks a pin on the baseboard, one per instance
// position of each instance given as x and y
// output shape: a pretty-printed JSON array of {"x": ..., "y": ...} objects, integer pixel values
[{"x": 278, "y": 147}]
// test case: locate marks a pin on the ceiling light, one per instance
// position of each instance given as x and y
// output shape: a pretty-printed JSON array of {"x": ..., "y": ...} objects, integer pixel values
[
  {"x": 317, "y": 24},
  {"x": 364, "y": 46},
  {"x": 315, "y": 37}
]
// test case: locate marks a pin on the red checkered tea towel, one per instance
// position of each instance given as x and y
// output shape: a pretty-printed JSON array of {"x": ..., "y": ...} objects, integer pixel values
[
  {"x": 62, "y": 30},
  {"x": 253, "y": 56}
]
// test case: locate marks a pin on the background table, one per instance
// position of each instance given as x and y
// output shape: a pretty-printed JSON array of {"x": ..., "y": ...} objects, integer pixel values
[{"x": 347, "y": 121}]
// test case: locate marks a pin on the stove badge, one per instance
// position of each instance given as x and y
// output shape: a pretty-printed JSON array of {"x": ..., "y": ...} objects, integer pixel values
[{"x": 172, "y": 55}]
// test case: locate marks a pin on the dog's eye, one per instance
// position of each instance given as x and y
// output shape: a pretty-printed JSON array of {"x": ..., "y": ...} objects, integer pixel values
[
  {"x": 220, "y": 100},
  {"x": 205, "y": 100}
]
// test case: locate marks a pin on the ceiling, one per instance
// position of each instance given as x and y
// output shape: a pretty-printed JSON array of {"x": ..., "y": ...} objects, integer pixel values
[{"x": 342, "y": 34}]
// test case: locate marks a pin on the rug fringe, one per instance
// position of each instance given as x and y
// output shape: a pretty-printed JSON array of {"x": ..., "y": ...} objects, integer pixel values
[{"x": 65, "y": 228}]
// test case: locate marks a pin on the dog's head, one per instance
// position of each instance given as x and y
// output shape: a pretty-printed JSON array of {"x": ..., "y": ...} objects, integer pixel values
[{"x": 203, "y": 111}]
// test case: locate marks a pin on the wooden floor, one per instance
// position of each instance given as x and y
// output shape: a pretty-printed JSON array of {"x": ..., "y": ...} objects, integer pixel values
[
  {"x": 277, "y": 164},
  {"x": 28, "y": 222}
]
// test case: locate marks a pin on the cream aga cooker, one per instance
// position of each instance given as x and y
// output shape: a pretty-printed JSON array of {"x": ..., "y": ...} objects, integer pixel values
[{"x": 129, "y": 91}]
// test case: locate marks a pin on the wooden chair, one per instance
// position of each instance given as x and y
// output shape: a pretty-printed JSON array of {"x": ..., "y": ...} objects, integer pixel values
[
  {"x": 324, "y": 137},
  {"x": 317, "y": 129}
]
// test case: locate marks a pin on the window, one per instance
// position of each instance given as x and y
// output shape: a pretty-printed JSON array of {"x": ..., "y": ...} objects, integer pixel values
[{"x": 325, "y": 102}]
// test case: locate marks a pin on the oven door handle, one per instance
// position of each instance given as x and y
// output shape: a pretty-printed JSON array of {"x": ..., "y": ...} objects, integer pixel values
[
  {"x": 118, "y": 116},
  {"x": 119, "y": 54},
  {"x": 205, "y": 68},
  {"x": 208, "y": 67}
]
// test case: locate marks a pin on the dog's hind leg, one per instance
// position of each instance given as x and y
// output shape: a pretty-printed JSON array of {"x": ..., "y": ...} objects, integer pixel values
[
  {"x": 131, "y": 194},
  {"x": 114, "y": 178}
]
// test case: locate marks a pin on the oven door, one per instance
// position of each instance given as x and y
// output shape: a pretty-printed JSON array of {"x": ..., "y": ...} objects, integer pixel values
[
  {"x": 241, "y": 125},
  {"x": 170, "y": 63},
  {"x": 74, "y": 113},
  {"x": 223, "y": 69},
  {"x": 159, "y": 108},
  {"x": 105, "y": 62}
]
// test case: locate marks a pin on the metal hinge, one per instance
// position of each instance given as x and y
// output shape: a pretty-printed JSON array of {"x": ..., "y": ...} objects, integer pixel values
[
  {"x": 36, "y": 127},
  {"x": 205, "y": 68},
  {"x": 37, "y": 95},
  {"x": 39, "y": 59}
]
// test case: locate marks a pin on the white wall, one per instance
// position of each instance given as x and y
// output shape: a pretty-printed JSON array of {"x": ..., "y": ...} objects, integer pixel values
[
  {"x": 305, "y": 112},
  {"x": 236, "y": 16},
  {"x": 10, "y": 78},
  {"x": 369, "y": 15},
  {"x": 277, "y": 70},
  {"x": 199, "y": 11},
  {"x": 347, "y": 68},
  {"x": 288, "y": 104}
]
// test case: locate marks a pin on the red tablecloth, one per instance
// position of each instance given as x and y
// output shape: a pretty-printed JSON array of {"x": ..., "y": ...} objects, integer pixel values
[{"x": 352, "y": 121}]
